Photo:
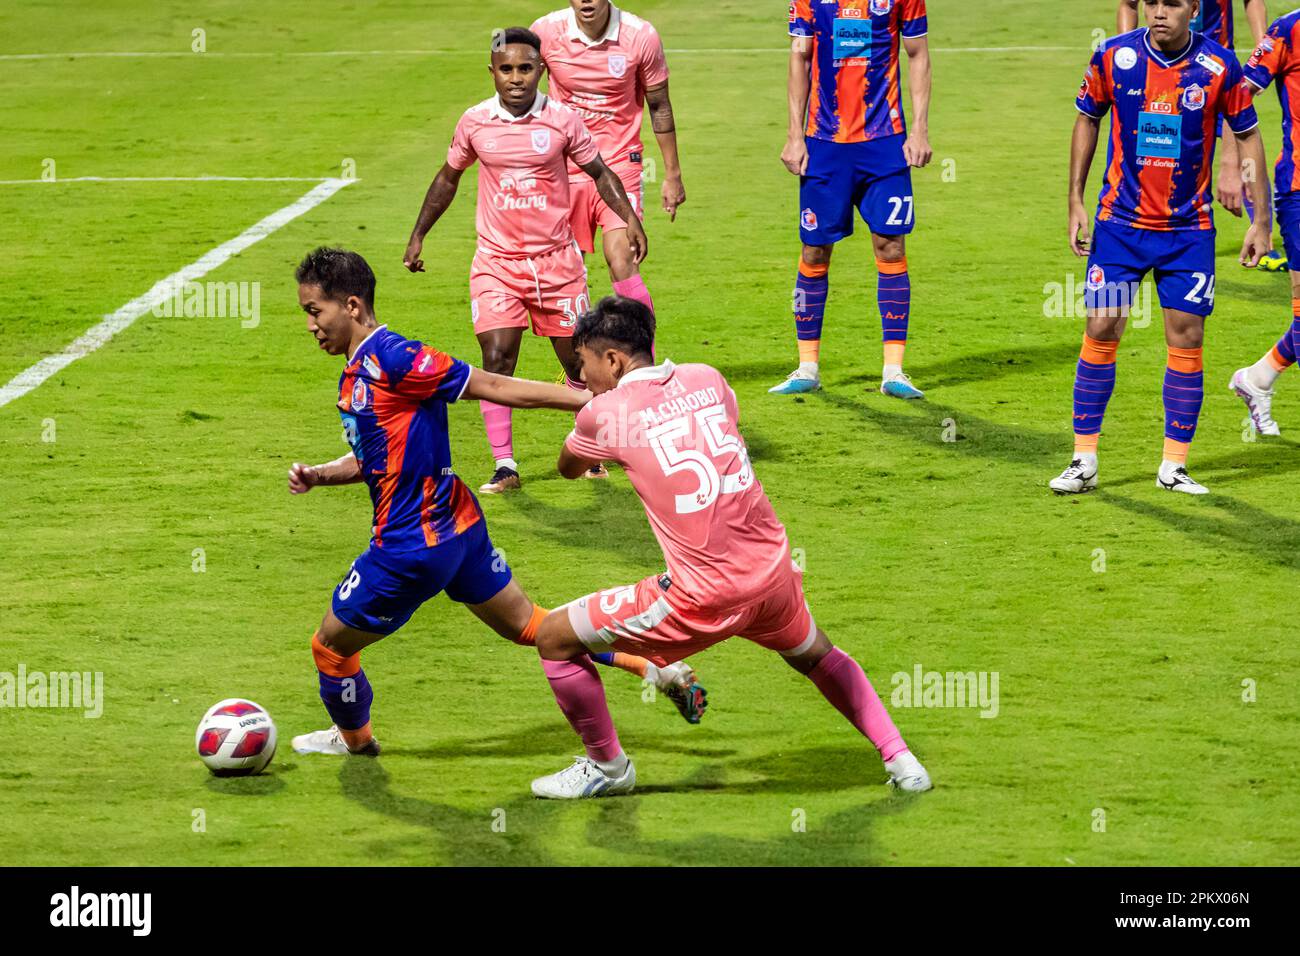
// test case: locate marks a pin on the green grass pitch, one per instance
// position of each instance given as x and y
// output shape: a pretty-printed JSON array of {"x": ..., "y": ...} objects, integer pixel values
[{"x": 1122, "y": 735}]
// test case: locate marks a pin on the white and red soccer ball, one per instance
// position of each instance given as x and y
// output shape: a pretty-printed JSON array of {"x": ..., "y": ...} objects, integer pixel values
[{"x": 236, "y": 738}]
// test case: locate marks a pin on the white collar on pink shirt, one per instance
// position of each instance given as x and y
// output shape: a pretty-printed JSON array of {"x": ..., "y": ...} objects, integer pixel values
[
  {"x": 611, "y": 31},
  {"x": 648, "y": 373},
  {"x": 501, "y": 113}
]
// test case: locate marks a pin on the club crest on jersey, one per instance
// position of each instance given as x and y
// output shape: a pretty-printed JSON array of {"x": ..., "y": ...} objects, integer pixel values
[
  {"x": 360, "y": 396},
  {"x": 541, "y": 140},
  {"x": 808, "y": 220},
  {"x": 617, "y": 65},
  {"x": 1126, "y": 58},
  {"x": 1096, "y": 278},
  {"x": 1193, "y": 97},
  {"x": 880, "y": 7}
]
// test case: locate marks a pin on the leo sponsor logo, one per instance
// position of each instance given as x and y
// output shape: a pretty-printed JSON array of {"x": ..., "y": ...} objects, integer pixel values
[
  {"x": 852, "y": 13},
  {"x": 1160, "y": 106}
]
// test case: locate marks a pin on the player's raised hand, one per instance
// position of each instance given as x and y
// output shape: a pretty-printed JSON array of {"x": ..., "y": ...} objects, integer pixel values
[
  {"x": 795, "y": 155},
  {"x": 637, "y": 241},
  {"x": 674, "y": 194},
  {"x": 916, "y": 149},
  {"x": 1258, "y": 239},
  {"x": 1080, "y": 241},
  {"x": 302, "y": 478},
  {"x": 412, "y": 258}
]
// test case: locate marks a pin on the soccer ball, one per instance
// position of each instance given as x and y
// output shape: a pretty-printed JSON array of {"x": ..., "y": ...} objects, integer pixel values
[{"x": 236, "y": 738}]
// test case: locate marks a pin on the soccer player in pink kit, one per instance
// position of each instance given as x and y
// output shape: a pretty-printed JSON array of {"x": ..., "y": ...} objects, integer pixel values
[
  {"x": 673, "y": 430},
  {"x": 528, "y": 267},
  {"x": 607, "y": 64}
]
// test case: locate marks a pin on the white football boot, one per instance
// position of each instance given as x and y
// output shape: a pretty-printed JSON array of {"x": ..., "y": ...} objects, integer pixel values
[
  {"x": 906, "y": 773},
  {"x": 1259, "y": 402},
  {"x": 582, "y": 780},
  {"x": 1081, "y": 476},
  {"x": 330, "y": 742},
  {"x": 1174, "y": 477}
]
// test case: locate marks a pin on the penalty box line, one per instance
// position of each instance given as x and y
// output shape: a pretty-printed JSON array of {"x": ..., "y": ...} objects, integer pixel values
[{"x": 122, "y": 319}]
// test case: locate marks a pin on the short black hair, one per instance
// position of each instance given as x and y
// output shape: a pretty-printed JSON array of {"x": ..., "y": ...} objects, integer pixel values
[
  {"x": 339, "y": 273},
  {"x": 503, "y": 38},
  {"x": 626, "y": 324}
]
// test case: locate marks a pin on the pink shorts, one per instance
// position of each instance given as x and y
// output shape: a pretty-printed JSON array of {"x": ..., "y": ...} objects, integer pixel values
[
  {"x": 641, "y": 619},
  {"x": 549, "y": 291},
  {"x": 588, "y": 210}
]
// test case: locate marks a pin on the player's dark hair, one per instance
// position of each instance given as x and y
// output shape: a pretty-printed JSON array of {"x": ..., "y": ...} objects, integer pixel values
[
  {"x": 339, "y": 273},
  {"x": 503, "y": 38},
  {"x": 626, "y": 324}
]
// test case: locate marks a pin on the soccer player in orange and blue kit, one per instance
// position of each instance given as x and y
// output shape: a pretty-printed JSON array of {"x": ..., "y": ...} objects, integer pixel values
[
  {"x": 429, "y": 534},
  {"x": 1214, "y": 18},
  {"x": 1278, "y": 58},
  {"x": 1165, "y": 88},
  {"x": 850, "y": 147}
]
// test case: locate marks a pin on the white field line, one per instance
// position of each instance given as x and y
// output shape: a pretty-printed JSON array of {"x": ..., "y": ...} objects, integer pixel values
[
  {"x": 263, "y": 54},
  {"x": 25, "y": 381},
  {"x": 166, "y": 179}
]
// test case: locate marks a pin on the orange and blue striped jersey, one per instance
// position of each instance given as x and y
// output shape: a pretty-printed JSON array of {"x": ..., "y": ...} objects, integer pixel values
[
  {"x": 1277, "y": 58},
  {"x": 393, "y": 398},
  {"x": 1214, "y": 19},
  {"x": 856, "y": 90},
  {"x": 1164, "y": 110}
]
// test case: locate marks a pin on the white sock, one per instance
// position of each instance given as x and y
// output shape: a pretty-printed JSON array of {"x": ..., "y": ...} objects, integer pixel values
[
  {"x": 614, "y": 768},
  {"x": 1167, "y": 466},
  {"x": 1262, "y": 374},
  {"x": 809, "y": 369},
  {"x": 652, "y": 674},
  {"x": 890, "y": 371},
  {"x": 507, "y": 463},
  {"x": 1089, "y": 458}
]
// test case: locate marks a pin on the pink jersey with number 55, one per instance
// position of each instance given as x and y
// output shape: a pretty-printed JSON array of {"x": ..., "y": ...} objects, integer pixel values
[{"x": 673, "y": 430}]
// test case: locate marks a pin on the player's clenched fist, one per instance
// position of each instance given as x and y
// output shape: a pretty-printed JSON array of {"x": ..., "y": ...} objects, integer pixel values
[
  {"x": 917, "y": 151},
  {"x": 1079, "y": 240},
  {"x": 302, "y": 478},
  {"x": 412, "y": 258},
  {"x": 795, "y": 156}
]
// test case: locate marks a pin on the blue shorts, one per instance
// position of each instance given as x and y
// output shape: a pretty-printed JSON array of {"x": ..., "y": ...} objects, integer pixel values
[
  {"x": 1288, "y": 220},
  {"x": 384, "y": 588},
  {"x": 872, "y": 176},
  {"x": 1183, "y": 263}
]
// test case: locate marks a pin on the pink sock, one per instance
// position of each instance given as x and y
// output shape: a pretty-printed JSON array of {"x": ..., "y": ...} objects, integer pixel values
[
  {"x": 844, "y": 684},
  {"x": 581, "y": 697},
  {"x": 634, "y": 288},
  {"x": 496, "y": 419}
]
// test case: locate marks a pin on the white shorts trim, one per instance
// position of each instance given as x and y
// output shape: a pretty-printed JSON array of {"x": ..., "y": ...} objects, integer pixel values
[{"x": 807, "y": 641}]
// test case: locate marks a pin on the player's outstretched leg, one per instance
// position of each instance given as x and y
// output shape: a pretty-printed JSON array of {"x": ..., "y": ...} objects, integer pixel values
[
  {"x": 604, "y": 771},
  {"x": 1254, "y": 383},
  {"x": 624, "y": 273},
  {"x": 894, "y": 300},
  {"x": 1184, "y": 393},
  {"x": 811, "y": 289},
  {"x": 500, "y": 349},
  {"x": 843, "y": 682},
  {"x": 1094, "y": 381},
  {"x": 344, "y": 690}
]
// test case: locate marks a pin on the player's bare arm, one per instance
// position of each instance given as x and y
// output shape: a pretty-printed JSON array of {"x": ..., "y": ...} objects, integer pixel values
[
  {"x": 1257, "y": 18},
  {"x": 1259, "y": 237},
  {"x": 341, "y": 471},
  {"x": 798, "y": 89},
  {"x": 916, "y": 148},
  {"x": 611, "y": 190},
  {"x": 522, "y": 393},
  {"x": 440, "y": 194},
  {"x": 1126, "y": 20},
  {"x": 665, "y": 130},
  {"x": 572, "y": 466},
  {"x": 1230, "y": 188},
  {"x": 1083, "y": 147}
]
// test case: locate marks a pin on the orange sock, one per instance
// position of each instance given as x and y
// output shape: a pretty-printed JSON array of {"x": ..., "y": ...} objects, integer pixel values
[
  {"x": 528, "y": 637},
  {"x": 894, "y": 353},
  {"x": 331, "y": 662},
  {"x": 1085, "y": 444},
  {"x": 630, "y": 663},
  {"x": 1176, "y": 451}
]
